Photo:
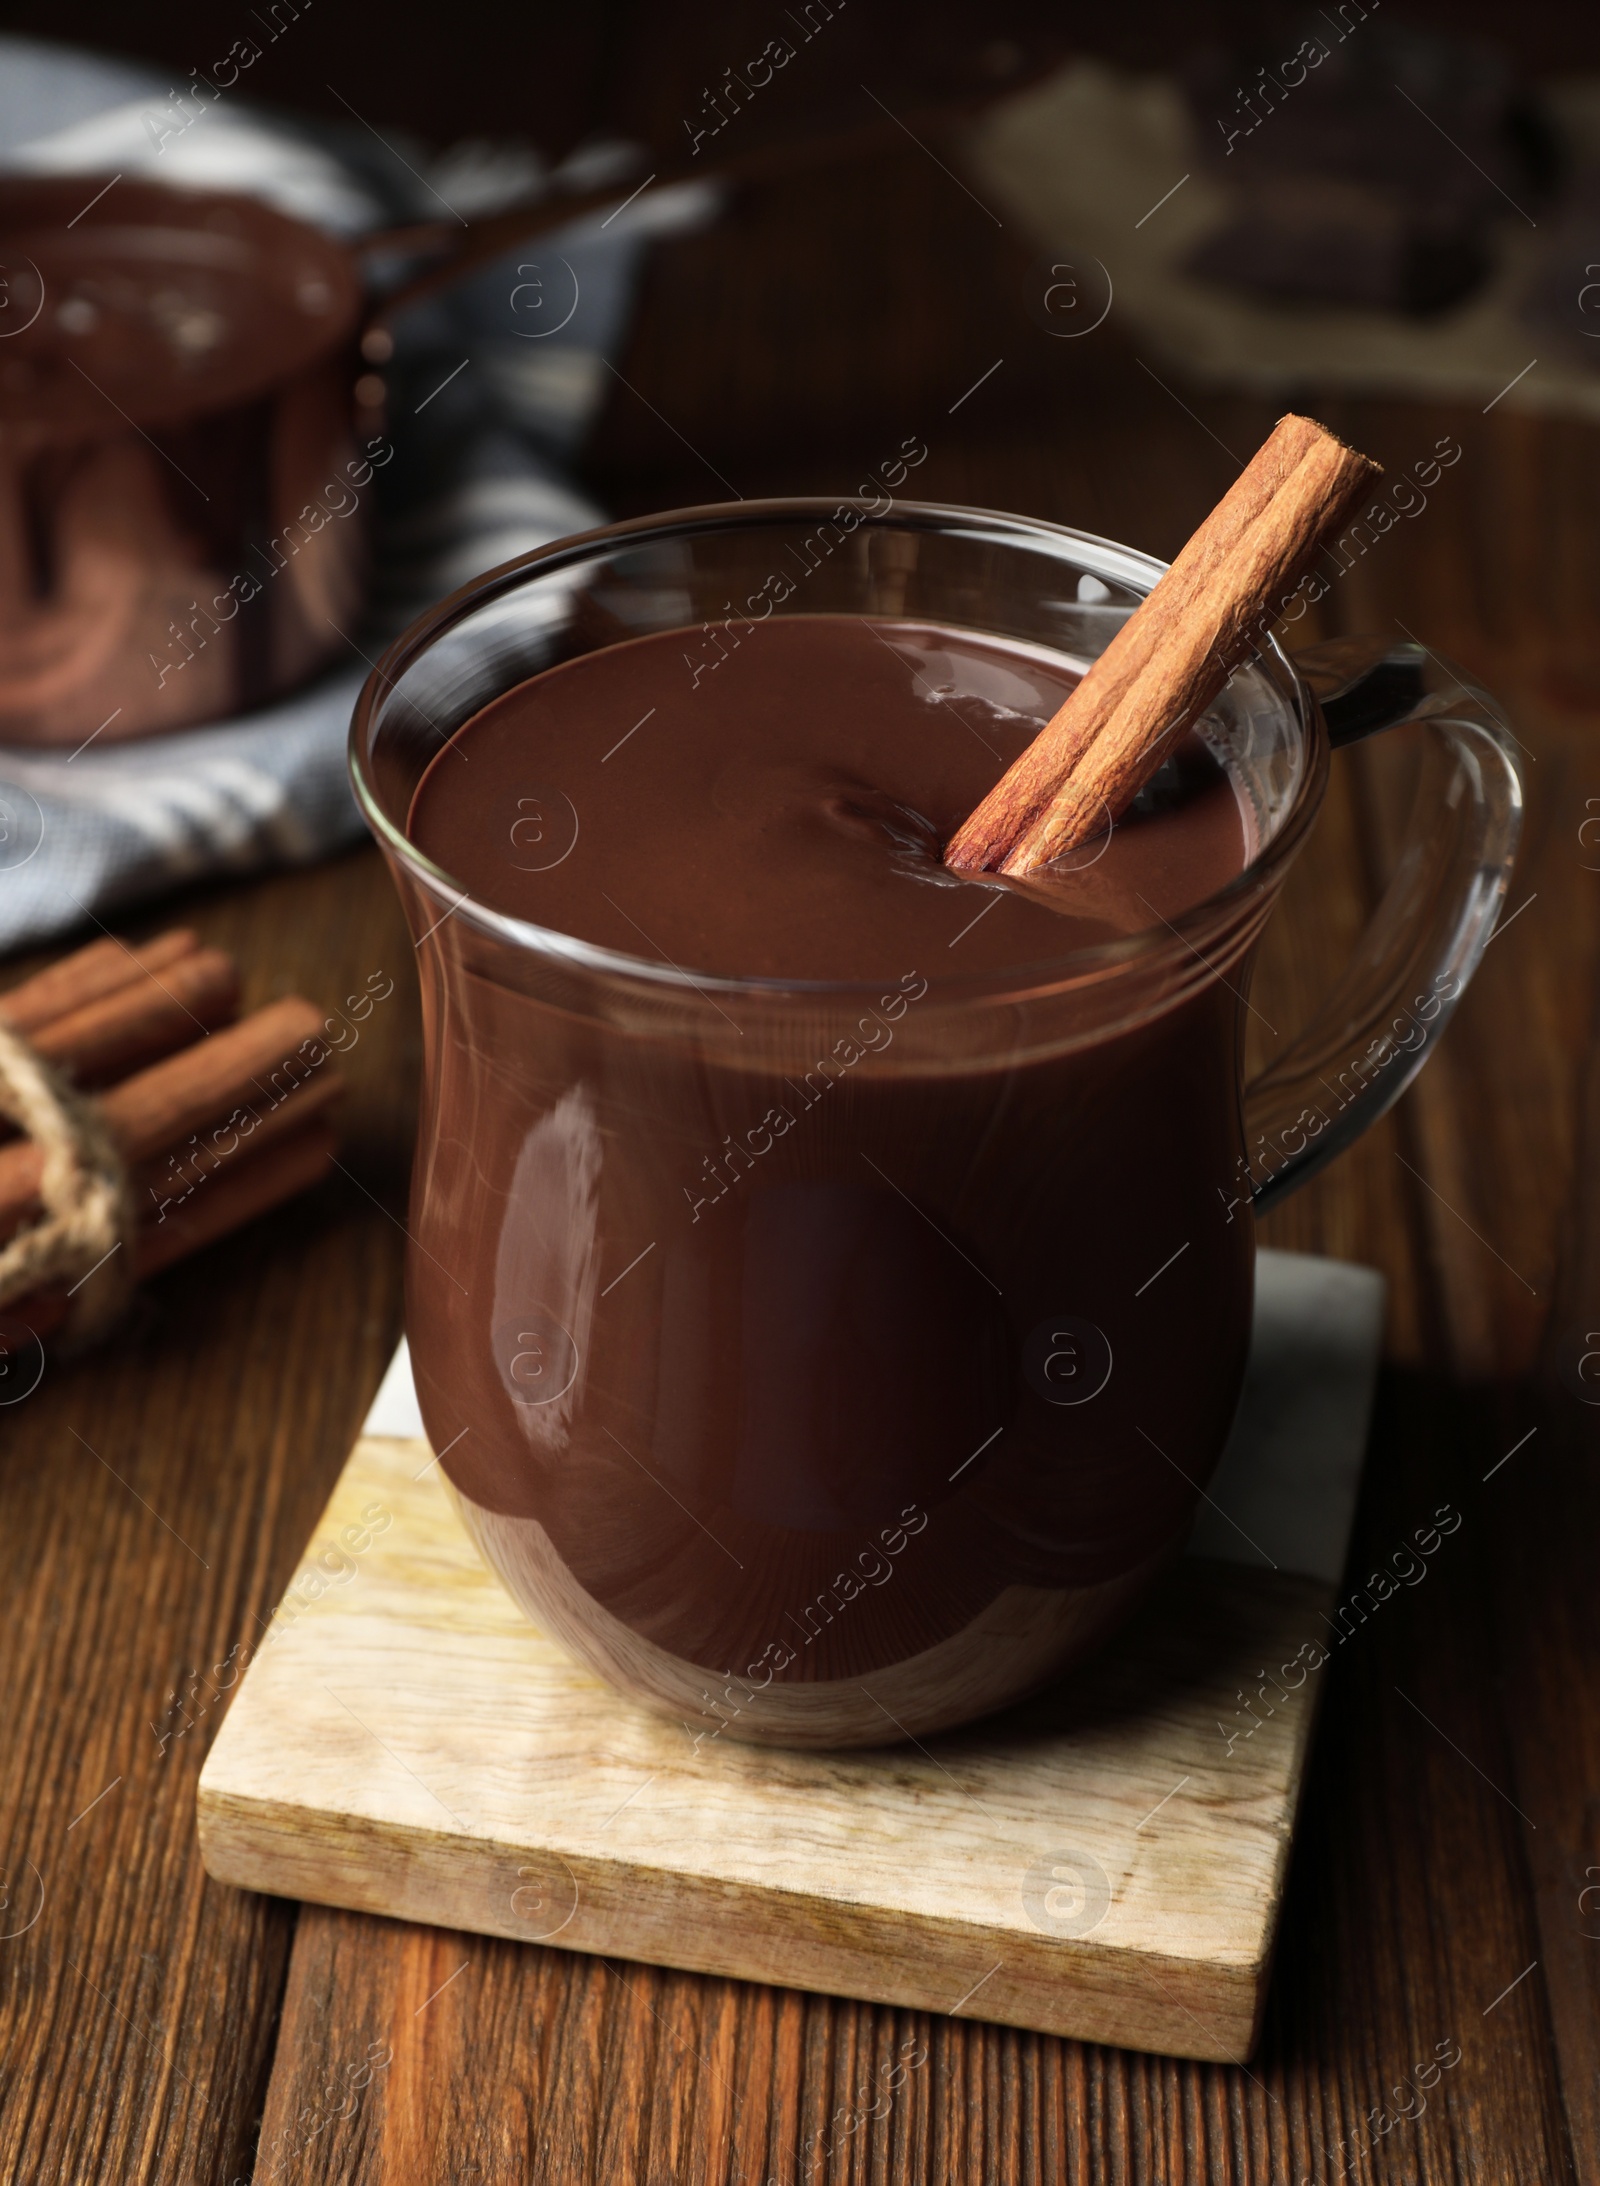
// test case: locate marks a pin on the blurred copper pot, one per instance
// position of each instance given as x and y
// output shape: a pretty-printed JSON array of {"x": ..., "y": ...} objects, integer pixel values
[
  {"x": 190, "y": 426},
  {"x": 187, "y": 445}
]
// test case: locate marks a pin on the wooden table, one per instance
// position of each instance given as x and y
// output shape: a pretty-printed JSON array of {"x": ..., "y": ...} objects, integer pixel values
[{"x": 1445, "y": 1891}]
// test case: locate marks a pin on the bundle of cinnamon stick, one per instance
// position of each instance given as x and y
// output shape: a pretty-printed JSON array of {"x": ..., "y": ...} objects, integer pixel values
[{"x": 216, "y": 1120}]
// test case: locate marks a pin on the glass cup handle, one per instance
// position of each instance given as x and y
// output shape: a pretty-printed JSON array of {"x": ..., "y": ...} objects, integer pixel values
[{"x": 1422, "y": 944}]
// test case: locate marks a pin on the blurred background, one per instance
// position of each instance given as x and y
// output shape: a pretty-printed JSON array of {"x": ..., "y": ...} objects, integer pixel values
[{"x": 1086, "y": 257}]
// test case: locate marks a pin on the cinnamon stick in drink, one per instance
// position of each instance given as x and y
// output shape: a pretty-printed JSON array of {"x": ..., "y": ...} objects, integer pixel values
[{"x": 1172, "y": 656}]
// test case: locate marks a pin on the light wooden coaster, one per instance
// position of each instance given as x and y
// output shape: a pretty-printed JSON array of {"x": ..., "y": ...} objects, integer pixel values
[{"x": 1107, "y": 1861}]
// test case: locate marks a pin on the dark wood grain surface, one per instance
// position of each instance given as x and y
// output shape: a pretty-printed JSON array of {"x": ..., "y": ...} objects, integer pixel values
[{"x": 1445, "y": 1888}]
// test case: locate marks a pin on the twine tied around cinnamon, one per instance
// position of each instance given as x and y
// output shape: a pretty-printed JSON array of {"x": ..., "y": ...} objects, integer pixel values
[{"x": 83, "y": 1189}]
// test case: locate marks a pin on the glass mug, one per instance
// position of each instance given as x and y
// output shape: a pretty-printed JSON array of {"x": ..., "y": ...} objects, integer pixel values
[{"x": 856, "y": 1354}]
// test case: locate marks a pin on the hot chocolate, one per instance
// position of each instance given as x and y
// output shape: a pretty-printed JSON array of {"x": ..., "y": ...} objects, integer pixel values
[
  {"x": 772, "y": 802},
  {"x": 761, "y": 1365}
]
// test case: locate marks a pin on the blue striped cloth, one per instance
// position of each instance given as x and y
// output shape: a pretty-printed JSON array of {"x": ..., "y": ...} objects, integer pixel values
[{"x": 477, "y": 476}]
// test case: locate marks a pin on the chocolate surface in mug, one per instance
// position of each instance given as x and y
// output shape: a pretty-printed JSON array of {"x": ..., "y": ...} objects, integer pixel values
[
  {"x": 811, "y": 1369},
  {"x": 772, "y": 801}
]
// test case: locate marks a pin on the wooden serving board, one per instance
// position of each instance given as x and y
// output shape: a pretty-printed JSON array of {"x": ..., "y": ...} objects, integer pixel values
[{"x": 1104, "y": 1862}]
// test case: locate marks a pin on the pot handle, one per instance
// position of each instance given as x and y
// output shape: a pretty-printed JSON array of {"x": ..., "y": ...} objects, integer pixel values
[
  {"x": 1422, "y": 943},
  {"x": 457, "y": 249}
]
